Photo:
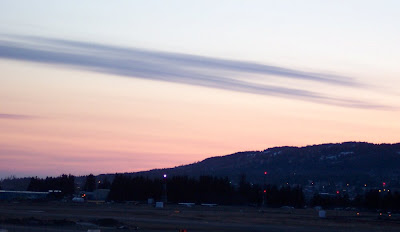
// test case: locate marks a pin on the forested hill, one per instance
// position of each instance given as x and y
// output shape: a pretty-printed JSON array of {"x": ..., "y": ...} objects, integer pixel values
[{"x": 347, "y": 162}]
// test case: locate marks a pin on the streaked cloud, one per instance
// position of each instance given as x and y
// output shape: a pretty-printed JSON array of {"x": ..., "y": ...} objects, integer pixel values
[
  {"x": 16, "y": 116},
  {"x": 176, "y": 67}
]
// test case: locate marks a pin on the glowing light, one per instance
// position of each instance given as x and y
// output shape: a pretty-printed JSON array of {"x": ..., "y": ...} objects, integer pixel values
[
  {"x": 265, "y": 191},
  {"x": 265, "y": 173},
  {"x": 337, "y": 192},
  {"x": 165, "y": 176}
]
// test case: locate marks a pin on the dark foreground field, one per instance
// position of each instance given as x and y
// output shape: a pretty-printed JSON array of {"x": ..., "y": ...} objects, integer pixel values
[{"x": 126, "y": 217}]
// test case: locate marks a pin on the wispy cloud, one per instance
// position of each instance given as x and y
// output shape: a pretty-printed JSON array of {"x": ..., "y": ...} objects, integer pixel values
[
  {"x": 16, "y": 116},
  {"x": 175, "y": 67}
]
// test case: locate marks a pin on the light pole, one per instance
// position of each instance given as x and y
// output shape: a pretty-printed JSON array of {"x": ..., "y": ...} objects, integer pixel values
[
  {"x": 164, "y": 189},
  {"x": 264, "y": 193}
]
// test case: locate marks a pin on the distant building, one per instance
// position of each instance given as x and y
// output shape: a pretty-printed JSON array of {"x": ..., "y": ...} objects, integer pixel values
[
  {"x": 96, "y": 195},
  {"x": 6, "y": 195},
  {"x": 101, "y": 194}
]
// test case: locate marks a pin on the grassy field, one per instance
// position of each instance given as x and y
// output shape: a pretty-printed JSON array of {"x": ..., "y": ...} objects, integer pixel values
[{"x": 57, "y": 216}]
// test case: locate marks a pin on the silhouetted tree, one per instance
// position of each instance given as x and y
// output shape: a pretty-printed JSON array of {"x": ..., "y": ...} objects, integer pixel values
[
  {"x": 387, "y": 201},
  {"x": 104, "y": 184},
  {"x": 125, "y": 188},
  {"x": 372, "y": 200},
  {"x": 90, "y": 184},
  {"x": 244, "y": 189},
  {"x": 205, "y": 189},
  {"x": 120, "y": 188},
  {"x": 180, "y": 189},
  {"x": 65, "y": 183},
  {"x": 358, "y": 201},
  {"x": 298, "y": 199}
]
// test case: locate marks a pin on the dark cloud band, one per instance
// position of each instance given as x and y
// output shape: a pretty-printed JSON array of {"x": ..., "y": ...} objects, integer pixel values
[
  {"x": 174, "y": 67},
  {"x": 16, "y": 116}
]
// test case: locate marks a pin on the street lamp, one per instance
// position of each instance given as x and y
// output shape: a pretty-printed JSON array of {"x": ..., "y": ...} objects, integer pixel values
[{"x": 164, "y": 189}]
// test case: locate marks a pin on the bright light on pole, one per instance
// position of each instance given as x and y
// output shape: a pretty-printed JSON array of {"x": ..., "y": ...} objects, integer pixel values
[
  {"x": 265, "y": 190},
  {"x": 164, "y": 189}
]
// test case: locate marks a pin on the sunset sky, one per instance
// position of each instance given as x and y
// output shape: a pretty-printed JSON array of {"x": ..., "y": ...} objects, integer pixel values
[{"x": 124, "y": 86}]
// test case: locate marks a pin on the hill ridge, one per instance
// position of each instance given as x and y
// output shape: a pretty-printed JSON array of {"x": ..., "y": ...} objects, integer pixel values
[{"x": 335, "y": 161}]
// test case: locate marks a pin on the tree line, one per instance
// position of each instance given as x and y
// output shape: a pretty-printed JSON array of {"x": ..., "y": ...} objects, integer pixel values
[
  {"x": 65, "y": 183},
  {"x": 209, "y": 189},
  {"x": 205, "y": 189}
]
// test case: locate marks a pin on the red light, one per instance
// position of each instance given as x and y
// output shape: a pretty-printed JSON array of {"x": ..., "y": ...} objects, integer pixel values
[
  {"x": 384, "y": 184},
  {"x": 337, "y": 192},
  {"x": 265, "y": 173},
  {"x": 265, "y": 191}
]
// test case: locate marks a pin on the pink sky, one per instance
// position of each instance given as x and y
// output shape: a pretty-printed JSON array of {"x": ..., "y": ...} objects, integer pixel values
[
  {"x": 82, "y": 122},
  {"x": 104, "y": 87}
]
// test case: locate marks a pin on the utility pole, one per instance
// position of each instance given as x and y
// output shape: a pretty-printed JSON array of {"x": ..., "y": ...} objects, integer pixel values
[
  {"x": 164, "y": 189},
  {"x": 264, "y": 193}
]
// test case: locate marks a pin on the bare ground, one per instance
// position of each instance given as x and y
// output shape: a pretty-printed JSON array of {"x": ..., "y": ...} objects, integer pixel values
[{"x": 58, "y": 216}]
